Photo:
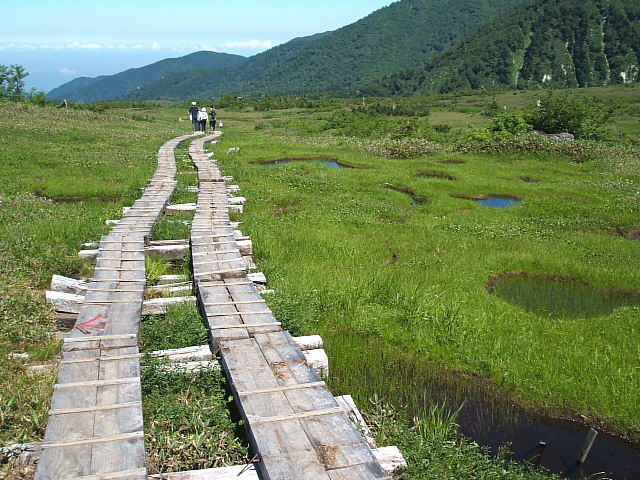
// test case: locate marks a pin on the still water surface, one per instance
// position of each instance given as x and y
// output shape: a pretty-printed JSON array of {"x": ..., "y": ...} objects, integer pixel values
[
  {"x": 558, "y": 298},
  {"x": 486, "y": 417},
  {"x": 328, "y": 163},
  {"x": 499, "y": 202}
]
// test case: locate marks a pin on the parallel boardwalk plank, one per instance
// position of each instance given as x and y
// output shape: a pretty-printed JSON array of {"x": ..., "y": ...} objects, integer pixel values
[
  {"x": 95, "y": 430},
  {"x": 293, "y": 421}
]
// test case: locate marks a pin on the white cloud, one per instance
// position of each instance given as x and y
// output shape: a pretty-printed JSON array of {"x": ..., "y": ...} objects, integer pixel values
[
  {"x": 11, "y": 46},
  {"x": 153, "y": 46},
  {"x": 81, "y": 46},
  {"x": 255, "y": 44},
  {"x": 76, "y": 45},
  {"x": 67, "y": 72}
]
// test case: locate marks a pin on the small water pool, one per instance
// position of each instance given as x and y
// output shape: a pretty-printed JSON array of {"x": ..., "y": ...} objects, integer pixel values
[
  {"x": 488, "y": 417},
  {"x": 499, "y": 202},
  {"x": 328, "y": 163},
  {"x": 331, "y": 162},
  {"x": 559, "y": 298}
]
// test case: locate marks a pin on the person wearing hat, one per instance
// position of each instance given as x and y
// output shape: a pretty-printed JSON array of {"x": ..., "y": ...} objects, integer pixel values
[
  {"x": 193, "y": 112},
  {"x": 202, "y": 118}
]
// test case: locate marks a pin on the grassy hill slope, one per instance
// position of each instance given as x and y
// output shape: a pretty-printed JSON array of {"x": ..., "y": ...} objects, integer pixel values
[{"x": 206, "y": 82}]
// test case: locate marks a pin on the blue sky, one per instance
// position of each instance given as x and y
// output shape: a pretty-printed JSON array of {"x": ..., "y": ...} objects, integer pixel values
[{"x": 59, "y": 41}]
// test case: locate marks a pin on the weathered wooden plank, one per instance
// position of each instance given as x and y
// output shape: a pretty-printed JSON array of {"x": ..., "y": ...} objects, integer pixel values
[
  {"x": 293, "y": 420},
  {"x": 248, "y": 370},
  {"x": 389, "y": 457},
  {"x": 223, "y": 473},
  {"x": 95, "y": 427}
]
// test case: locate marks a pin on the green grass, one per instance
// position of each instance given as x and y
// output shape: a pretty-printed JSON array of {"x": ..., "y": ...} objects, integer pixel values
[
  {"x": 188, "y": 425},
  {"x": 340, "y": 249},
  {"x": 181, "y": 327},
  {"x": 188, "y": 416},
  {"x": 174, "y": 226}
]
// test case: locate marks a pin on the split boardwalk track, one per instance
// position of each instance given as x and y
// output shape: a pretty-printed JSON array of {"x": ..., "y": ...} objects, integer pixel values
[{"x": 95, "y": 428}]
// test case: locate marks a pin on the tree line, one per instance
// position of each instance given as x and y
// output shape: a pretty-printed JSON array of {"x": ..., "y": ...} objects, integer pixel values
[{"x": 12, "y": 85}]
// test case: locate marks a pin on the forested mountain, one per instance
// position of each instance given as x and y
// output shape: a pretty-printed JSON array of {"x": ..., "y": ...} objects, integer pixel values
[
  {"x": 207, "y": 82},
  {"x": 556, "y": 43},
  {"x": 109, "y": 87},
  {"x": 405, "y": 34},
  {"x": 402, "y": 35}
]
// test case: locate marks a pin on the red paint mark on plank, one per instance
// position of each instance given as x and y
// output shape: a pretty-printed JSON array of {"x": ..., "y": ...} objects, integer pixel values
[{"x": 94, "y": 322}]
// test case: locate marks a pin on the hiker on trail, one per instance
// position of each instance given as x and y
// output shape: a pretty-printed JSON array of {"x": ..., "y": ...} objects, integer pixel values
[
  {"x": 212, "y": 118},
  {"x": 193, "y": 113},
  {"x": 202, "y": 118}
]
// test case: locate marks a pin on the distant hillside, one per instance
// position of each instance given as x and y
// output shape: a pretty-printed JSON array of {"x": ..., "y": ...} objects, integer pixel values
[
  {"x": 556, "y": 43},
  {"x": 207, "y": 82},
  {"x": 108, "y": 87},
  {"x": 402, "y": 35}
]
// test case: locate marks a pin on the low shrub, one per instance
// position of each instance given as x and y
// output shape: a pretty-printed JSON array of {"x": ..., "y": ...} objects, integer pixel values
[
  {"x": 583, "y": 117},
  {"x": 510, "y": 123},
  {"x": 578, "y": 151},
  {"x": 366, "y": 125},
  {"x": 400, "y": 148}
]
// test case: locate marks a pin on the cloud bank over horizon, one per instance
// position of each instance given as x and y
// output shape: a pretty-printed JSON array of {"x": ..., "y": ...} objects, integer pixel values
[
  {"x": 52, "y": 64},
  {"x": 253, "y": 45}
]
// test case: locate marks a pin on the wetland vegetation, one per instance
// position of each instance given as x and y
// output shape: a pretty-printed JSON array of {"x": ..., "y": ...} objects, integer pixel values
[{"x": 345, "y": 255}]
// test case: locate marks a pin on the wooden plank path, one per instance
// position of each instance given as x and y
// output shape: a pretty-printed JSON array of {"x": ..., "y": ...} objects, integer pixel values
[
  {"x": 95, "y": 426},
  {"x": 294, "y": 424}
]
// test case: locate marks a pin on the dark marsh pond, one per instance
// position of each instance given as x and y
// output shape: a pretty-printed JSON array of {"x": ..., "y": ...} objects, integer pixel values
[
  {"x": 366, "y": 367},
  {"x": 559, "y": 298},
  {"x": 415, "y": 199}
]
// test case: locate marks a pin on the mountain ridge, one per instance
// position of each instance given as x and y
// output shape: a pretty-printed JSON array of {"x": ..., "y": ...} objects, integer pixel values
[
  {"x": 404, "y": 34},
  {"x": 110, "y": 87}
]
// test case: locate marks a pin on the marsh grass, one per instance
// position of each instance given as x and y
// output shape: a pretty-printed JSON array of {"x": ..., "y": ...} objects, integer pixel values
[
  {"x": 175, "y": 226},
  {"x": 189, "y": 417},
  {"x": 433, "y": 451},
  {"x": 155, "y": 267},
  {"x": 327, "y": 254},
  {"x": 188, "y": 424},
  {"x": 180, "y": 327}
]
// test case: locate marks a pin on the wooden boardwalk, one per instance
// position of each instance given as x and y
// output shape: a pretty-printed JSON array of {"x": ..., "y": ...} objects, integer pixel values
[
  {"x": 95, "y": 427},
  {"x": 294, "y": 424}
]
